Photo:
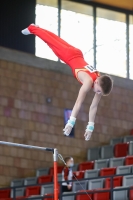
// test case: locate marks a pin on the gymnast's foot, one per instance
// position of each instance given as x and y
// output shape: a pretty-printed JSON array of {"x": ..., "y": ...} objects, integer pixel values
[{"x": 26, "y": 30}]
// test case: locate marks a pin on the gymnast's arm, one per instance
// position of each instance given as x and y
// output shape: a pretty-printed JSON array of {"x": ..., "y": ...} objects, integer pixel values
[
  {"x": 81, "y": 97},
  {"x": 92, "y": 115},
  {"x": 93, "y": 107}
]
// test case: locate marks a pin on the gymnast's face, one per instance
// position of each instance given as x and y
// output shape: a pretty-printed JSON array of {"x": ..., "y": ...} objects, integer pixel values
[{"x": 97, "y": 88}]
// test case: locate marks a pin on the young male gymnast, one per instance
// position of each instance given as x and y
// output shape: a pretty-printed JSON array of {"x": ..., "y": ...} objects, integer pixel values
[{"x": 86, "y": 74}]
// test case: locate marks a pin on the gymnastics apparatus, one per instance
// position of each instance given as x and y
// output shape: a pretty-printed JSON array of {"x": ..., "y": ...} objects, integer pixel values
[{"x": 56, "y": 155}]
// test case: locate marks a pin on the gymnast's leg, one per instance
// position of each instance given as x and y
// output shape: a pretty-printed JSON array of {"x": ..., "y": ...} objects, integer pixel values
[{"x": 58, "y": 45}]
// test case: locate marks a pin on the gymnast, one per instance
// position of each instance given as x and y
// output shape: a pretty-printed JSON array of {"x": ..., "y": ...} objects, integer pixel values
[{"x": 86, "y": 74}]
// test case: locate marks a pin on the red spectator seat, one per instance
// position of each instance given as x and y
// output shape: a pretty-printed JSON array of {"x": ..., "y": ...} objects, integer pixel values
[
  {"x": 117, "y": 182},
  {"x": 5, "y": 194},
  {"x": 131, "y": 194},
  {"x": 84, "y": 196},
  {"x": 129, "y": 160},
  {"x": 59, "y": 170},
  {"x": 131, "y": 132},
  {"x": 52, "y": 197},
  {"x": 101, "y": 195},
  {"x": 121, "y": 150},
  {"x": 32, "y": 190},
  {"x": 45, "y": 179},
  {"x": 78, "y": 174},
  {"x": 108, "y": 171},
  {"x": 86, "y": 166},
  {"x": 6, "y": 199}
]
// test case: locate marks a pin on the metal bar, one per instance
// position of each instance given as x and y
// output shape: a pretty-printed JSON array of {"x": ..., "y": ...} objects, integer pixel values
[
  {"x": 94, "y": 32},
  {"x": 59, "y": 19},
  {"x": 26, "y": 146},
  {"x": 55, "y": 156},
  {"x": 127, "y": 45}
]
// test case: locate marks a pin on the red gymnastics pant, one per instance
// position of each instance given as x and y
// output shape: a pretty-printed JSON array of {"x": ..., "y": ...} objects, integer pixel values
[{"x": 66, "y": 52}]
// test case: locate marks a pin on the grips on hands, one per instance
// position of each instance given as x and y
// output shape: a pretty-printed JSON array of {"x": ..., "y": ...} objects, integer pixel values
[
  {"x": 90, "y": 126},
  {"x": 89, "y": 130},
  {"x": 70, "y": 124}
]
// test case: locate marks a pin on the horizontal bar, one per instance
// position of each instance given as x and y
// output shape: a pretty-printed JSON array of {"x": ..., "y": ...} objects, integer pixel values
[{"x": 26, "y": 146}]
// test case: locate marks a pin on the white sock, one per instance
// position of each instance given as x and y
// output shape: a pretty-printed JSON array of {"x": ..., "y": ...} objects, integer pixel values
[{"x": 25, "y": 31}]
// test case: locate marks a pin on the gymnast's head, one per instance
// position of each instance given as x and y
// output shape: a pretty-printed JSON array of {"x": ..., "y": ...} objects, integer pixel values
[{"x": 103, "y": 85}]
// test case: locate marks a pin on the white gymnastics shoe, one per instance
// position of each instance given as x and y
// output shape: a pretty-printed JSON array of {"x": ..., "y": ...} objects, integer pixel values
[{"x": 26, "y": 30}]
